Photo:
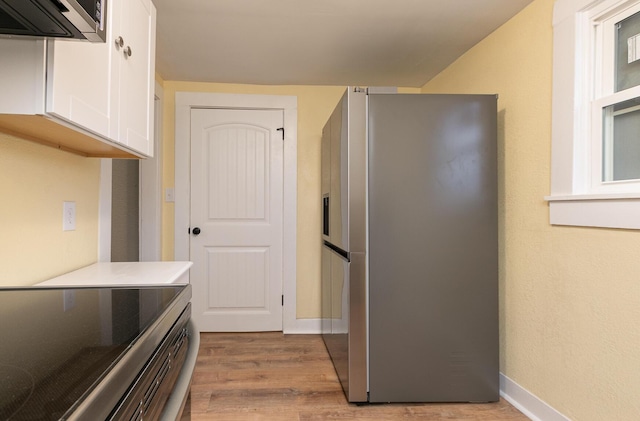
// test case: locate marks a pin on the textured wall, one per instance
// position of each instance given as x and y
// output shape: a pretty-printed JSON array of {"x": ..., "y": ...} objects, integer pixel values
[
  {"x": 34, "y": 182},
  {"x": 570, "y": 319}
]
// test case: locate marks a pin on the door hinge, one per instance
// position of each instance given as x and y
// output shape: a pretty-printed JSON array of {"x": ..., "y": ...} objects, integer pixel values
[
  {"x": 281, "y": 129},
  {"x": 283, "y": 300}
]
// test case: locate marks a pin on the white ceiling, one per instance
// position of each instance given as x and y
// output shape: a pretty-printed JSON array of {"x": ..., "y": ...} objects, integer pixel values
[{"x": 321, "y": 42}]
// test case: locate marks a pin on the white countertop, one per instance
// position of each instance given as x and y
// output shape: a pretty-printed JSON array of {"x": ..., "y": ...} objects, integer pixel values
[{"x": 124, "y": 273}]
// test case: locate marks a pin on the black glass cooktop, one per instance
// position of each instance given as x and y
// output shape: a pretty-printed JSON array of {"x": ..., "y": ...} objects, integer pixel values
[{"x": 56, "y": 344}]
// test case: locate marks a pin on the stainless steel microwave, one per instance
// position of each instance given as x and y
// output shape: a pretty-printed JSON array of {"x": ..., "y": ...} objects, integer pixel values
[{"x": 74, "y": 19}]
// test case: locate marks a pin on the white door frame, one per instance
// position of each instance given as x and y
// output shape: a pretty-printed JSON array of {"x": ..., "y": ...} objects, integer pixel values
[
  {"x": 151, "y": 190},
  {"x": 185, "y": 101}
]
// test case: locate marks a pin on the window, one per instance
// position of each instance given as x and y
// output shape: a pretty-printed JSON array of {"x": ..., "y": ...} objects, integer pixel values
[
  {"x": 596, "y": 114},
  {"x": 616, "y": 103}
]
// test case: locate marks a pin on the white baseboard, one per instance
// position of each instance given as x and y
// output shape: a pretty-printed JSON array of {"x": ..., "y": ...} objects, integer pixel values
[
  {"x": 528, "y": 403},
  {"x": 302, "y": 327}
]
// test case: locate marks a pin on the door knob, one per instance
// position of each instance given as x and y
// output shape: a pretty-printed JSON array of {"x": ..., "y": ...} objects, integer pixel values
[{"x": 195, "y": 231}]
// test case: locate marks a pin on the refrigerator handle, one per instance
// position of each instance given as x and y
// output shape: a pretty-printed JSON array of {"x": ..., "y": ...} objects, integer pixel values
[{"x": 325, "y": 215}]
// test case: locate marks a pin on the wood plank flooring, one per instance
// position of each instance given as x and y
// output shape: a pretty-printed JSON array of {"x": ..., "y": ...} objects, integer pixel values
[{"x": 273, "y": 377}]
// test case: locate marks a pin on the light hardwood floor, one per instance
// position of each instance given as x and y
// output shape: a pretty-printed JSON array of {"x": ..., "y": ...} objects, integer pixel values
[{"x": 271, "y": 376}]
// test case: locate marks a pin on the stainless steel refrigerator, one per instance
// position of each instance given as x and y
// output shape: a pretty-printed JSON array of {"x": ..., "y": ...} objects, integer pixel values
[{"x": 410, "y": 246}]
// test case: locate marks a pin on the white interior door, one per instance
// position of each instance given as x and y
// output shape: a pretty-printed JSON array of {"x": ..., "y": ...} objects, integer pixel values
[{"x": 236, "y": 219}]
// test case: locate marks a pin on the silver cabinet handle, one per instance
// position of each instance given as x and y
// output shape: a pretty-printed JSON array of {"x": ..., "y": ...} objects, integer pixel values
[
  {"x": 127, "y": 52},
  {"x": 119, "y": 42}
]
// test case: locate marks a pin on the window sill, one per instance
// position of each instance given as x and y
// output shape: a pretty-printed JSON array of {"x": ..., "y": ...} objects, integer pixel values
[{"x": 595, "y": 210}]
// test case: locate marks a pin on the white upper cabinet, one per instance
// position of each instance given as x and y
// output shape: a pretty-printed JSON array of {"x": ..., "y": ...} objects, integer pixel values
[
  {"x": 98, "y": 96},
  {"x": 79, "y": 84},
  {"x": 136, "y": 69}
]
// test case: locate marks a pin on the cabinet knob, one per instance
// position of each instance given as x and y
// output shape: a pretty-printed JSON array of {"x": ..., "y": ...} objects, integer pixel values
[
  {"x": 127, "y": 52},
  {"x": 119, "y": 42},
  {"x": 195, "y": 231}
]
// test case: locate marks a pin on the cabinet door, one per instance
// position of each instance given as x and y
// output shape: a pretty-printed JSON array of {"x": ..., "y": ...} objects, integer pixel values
[
  {"x": 137, "y": 75},
  {"x": 79, "y": 81}
]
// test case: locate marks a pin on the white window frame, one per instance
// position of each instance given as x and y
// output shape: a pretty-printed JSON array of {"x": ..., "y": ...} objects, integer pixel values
[{"x": 578, "y": 195}]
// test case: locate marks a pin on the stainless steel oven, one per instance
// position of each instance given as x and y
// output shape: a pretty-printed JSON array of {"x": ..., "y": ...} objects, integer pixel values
[
  {"x": 96, "y": 353},
  {"x": 149, "y": 392}
]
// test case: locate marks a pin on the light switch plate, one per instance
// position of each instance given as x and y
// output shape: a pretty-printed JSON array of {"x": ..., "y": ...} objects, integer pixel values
[
  {"x": 68, "y": 216},
  {"x": 169, "y": 195}
]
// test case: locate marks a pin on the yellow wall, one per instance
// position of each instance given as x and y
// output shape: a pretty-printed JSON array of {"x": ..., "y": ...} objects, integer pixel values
[
  {"x": 570, "y": 297},
  {"x": 315, "y": 104},
  {"x": 34, "y": 182}
]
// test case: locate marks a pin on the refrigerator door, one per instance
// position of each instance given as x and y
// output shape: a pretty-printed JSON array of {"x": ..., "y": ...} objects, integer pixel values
[
  {"x": 344, "y": 319},
  {"x": 325, "y": 181},
  {"x": 335, "y": 278},
  {"x": 433, "y": 248},
  {"x": 325, "y": 288},
  {"x": 343, "y": 180},
  {"x": 357, "y": 307},
  {"x": 338, "y": 177}
]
